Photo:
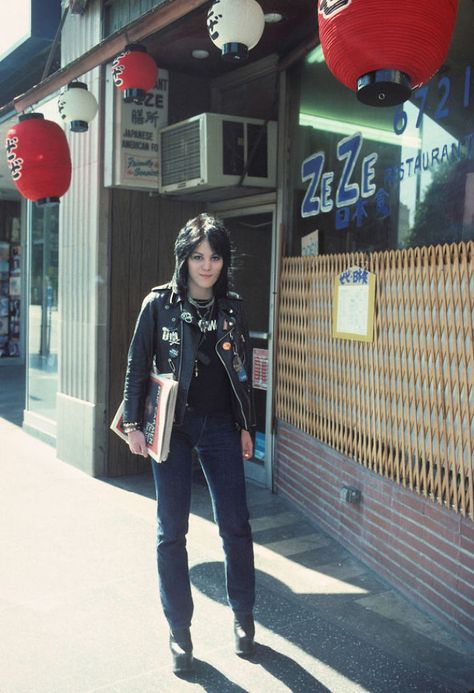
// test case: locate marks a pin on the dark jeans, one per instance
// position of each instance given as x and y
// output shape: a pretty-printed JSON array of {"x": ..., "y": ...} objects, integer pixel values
[{"x": 218, "y": 445}]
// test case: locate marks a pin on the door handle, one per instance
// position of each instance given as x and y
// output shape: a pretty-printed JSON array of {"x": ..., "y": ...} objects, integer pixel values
[{"x": 258, "y": 335}]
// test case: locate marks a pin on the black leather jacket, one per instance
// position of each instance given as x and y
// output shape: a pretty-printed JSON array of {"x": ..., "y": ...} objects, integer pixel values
[{"x": 167, "y": 336}]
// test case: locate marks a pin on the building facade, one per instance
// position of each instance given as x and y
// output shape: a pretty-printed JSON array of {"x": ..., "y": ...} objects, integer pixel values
[{"x": 372, "y": 438}]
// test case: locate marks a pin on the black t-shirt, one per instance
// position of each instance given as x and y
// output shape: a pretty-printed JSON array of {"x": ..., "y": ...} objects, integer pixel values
[{"x": 210, "y": 389}]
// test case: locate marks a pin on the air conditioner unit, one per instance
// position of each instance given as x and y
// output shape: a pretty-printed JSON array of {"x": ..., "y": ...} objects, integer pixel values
[{"x": 212, "y": 151}]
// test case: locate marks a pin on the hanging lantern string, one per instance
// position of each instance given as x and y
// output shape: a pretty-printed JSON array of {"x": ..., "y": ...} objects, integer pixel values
[{"x": 52, "y": 50}]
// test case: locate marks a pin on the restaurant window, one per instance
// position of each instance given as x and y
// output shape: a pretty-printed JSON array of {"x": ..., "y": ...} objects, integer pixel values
[
  {"x": 368, "y": 179},
  {"x": 11, "y": 283},
  {"x": 43, "y": 332}
]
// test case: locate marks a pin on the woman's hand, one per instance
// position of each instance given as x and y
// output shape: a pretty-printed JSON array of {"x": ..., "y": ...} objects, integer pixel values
[
  {"x": 247, "y": 445},
  {"x": 137, "y": 443}
]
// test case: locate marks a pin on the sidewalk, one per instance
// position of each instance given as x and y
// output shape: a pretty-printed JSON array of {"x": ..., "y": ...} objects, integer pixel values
[{"x": 79, "y": 609}]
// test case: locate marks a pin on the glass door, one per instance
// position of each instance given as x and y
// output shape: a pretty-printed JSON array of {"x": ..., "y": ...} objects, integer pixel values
[{"x": 43, "y": 313}]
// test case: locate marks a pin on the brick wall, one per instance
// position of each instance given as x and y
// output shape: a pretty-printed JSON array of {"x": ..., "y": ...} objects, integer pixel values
[{"x": 423, "y": 549}]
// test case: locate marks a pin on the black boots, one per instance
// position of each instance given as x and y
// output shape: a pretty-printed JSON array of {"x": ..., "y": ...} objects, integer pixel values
[
  {"x": 244, "y": 633},
  {"x": 181, "y": 650},
  {"x": 181, "y": 645}
]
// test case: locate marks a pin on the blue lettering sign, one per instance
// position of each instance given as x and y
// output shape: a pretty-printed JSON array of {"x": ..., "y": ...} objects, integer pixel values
[
  {"x": 311, "y": 170},
  {"x": 360, "y": 213},
  {"x": 355, "y": 275},
  {"x": 347, "y": 193},
  {"x": 368, "y": 173},
  {"x": 412, "y": 166},
  {"x": 420, "y": 95},
  {"x": 326, "y": 203},
  {"x": 360, "y": 276},
  {"x": 343, "y": 218},
  {"x": 382, "y": 204},
  {"x": 348, "y": 150}
]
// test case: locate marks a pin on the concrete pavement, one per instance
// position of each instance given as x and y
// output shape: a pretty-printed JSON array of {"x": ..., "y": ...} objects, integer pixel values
[{"x": 79, "y": 609}]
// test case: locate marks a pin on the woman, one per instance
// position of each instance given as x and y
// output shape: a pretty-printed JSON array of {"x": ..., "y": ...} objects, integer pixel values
[{"x": 194, "y": 327}]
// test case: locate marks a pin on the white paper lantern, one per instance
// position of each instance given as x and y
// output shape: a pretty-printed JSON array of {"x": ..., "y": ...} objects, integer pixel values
[
  {"x": 235, "y": 26},
  {"x": 77, "y": 106}
]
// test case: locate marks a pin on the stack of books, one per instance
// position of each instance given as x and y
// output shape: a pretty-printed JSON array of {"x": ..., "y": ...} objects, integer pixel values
[{"x": 158, "y": 416}]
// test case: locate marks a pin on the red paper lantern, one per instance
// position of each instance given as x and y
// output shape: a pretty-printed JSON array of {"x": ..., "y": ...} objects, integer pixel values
[
  {"x": 135, "y": 72},
  {"x": 38, "y": 158},
  {"x": 383, "y": 49}
]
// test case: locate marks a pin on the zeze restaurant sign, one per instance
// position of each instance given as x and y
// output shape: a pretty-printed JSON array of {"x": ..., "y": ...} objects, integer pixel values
[
  {"x": 352, "y": 201},
  {"x": 132, "y": 136},
  {"x": 326, "y": 191}
]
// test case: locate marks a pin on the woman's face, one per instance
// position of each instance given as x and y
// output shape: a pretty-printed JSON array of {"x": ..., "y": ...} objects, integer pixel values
[{"x": 204, "y": 268}]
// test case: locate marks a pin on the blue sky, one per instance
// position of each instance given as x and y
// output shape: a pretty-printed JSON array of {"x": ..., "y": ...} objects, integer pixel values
[{"x": 15, "y": 20}]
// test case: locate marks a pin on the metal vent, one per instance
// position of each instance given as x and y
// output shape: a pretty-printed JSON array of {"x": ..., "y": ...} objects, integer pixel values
[{"x": 181, "y": 154}]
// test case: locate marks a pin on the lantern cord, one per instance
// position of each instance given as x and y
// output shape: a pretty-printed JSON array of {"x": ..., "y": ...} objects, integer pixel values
[{"x": 52, "y": 50}]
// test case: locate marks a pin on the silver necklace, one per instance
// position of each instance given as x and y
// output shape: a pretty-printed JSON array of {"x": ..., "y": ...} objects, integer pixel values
[
  {"x": 204, "y": 311},
  {"x": 201, "y": 303}
]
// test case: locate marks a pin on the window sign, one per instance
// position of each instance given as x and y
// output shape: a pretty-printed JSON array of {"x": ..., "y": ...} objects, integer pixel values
[
  {"x": 260, "y": 369},
  {"x": 310, "y": 244},
  {"x": 132, "y": 141},
  {"x": 353, "y": 305},
  {"x": 349, "y": 191}
]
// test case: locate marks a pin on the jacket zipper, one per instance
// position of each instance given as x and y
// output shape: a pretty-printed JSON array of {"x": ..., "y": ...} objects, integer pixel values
[
  {"x": 231, "y": 382},
  {"x": 181, "y": 353},
  {"x": 181, "y": 361}
]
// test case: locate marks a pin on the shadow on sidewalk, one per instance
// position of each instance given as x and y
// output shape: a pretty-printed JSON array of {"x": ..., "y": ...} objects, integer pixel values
[
  {"x": 286, "y": 670},
  {"x": 295, "y": 676},
  {"x": 361, "y": 630},
  {"x": 210, "y": 679},
  {"x": 377, "y": 654}
]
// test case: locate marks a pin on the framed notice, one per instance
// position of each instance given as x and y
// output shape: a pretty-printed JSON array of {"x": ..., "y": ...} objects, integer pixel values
[
  {"x": 353, "y": 305},
  {"x": 131, "y": 151}
]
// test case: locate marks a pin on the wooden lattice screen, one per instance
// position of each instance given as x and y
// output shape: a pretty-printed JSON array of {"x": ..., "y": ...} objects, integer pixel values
[{"x": 403, "y": 406}]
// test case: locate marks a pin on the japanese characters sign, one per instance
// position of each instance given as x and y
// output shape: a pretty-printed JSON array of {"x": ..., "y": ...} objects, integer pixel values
[
  {"x": 260, "y": 369},
  {"x": 353, "y": 305},
  {"x": 132, "y": 137},
  {"x": 310, "y": 244}
]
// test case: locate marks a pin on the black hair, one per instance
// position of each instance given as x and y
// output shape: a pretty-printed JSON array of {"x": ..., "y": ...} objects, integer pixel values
[{"x": 202, "y": 228}]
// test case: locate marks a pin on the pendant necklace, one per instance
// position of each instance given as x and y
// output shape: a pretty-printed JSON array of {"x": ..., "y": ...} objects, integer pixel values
[{"x": 204, "y": 308}]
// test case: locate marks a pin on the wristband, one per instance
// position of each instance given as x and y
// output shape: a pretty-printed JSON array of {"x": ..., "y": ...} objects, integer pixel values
[{"x": 130, "y": 427}]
